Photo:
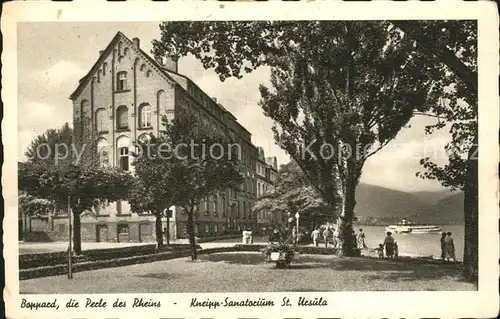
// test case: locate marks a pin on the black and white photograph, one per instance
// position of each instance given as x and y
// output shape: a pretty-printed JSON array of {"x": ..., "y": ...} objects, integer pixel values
[{"x": 251, "y": 164}]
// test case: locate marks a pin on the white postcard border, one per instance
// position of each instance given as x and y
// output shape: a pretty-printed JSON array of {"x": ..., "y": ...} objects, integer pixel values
[{"x": 483, "y": 302}]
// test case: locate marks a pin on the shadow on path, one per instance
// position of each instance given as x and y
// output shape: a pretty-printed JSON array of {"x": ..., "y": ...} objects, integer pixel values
[
  {"x": 394, "y": 270},
  {"x": 375, "y": 269}
]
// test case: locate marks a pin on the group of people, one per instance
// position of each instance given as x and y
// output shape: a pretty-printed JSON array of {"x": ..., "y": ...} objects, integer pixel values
[
  {"x": 330, "y": 235},
  {"x": 390, "y": 246},
  {"x": 447, "y": 247}
]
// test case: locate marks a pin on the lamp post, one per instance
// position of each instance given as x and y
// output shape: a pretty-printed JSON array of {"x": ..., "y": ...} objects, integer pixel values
[{"x": 297, "y": 216}]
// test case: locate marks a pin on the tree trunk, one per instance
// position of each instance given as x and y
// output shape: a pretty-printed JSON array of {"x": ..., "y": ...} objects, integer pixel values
[
  {"x": 158, "y": 230},
  {"x": 470, "y": 261},
  {"x": 77, "y": 230},
  {"x": 190, "y": 230},
  {"x": 346, "y": 230}
]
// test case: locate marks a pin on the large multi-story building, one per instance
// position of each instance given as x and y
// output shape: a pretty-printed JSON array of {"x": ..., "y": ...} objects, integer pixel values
[
  {"x": 267, "y": 173},
  {"x": 121, "y": 100}
]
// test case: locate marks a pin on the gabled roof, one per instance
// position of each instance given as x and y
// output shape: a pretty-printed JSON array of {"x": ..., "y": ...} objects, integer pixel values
[
  {"x": 83, "y": 81},
  {"x": 119, "y": 35}
]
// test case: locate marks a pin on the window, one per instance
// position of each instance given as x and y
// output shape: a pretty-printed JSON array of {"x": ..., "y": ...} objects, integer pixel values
[
  {"x": 123, "y": 229},
  {"x": 207, "y": 228},
  {"x": 144, "y": 138},
  {"x": 123, "y": 151},
  {"x": 144, "y": 115},
  {"x": 149, "y": 73},
  {"x": 125, "y": 51},
  {"x": 121, "y": 83},
  {"x": 205, "y": 206},
  {"x": 122, "y": 117},
  {"x": 215, "y": 229},
  {"x": 101, "y": 116}
]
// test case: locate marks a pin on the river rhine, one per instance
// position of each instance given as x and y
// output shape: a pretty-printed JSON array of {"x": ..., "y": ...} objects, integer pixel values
[{"x": 416, "y": 244}]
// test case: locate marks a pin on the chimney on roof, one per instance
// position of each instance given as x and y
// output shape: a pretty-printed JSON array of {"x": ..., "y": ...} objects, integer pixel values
[
  {"x": 101, "y": 52},
  {"x": 170, "y": 64},
  {"x": 159, "y": 60},
  {"x": 215, "y": 99},
  {"x": 137, "y": 42}
]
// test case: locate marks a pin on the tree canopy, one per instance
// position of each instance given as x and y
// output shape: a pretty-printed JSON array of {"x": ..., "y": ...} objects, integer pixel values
[
  {"x": 86, "y": 188},
  {"x": 52, "y": 144},
  {"x": 354, "y": 83},
  {"x": 292, "y": 188}
]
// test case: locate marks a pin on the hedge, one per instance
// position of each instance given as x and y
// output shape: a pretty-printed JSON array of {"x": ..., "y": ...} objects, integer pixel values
[
  {"x": 164, "y": 254},
  {"x": 47, "y": 271},
  {"x": 28, "y": 261}
]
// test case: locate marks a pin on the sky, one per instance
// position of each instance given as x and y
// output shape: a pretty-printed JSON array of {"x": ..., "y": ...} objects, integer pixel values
[{"x": 53, "y": 56}]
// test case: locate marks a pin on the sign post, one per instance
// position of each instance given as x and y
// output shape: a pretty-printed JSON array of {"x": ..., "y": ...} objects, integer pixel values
[{"x": 70, "y": 248}]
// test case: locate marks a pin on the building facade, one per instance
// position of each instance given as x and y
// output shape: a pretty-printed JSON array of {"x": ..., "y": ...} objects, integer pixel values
[
  {"x": 122, "y": 100},
  {"x": 267, "y": 174}
]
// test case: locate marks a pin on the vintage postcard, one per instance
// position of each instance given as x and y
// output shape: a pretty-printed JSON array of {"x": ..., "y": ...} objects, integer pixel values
[{"x": 250, "y": 159}]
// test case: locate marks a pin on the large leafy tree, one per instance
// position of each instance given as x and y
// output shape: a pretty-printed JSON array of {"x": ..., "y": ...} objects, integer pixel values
[
  {"x": 293, "y": 189},
  {"x": 60, "y": 169},
  {"x": 200, "y": 165},
  {"x": 83, "y": 188},
  {"x": 453, "y": 46},
  {"x": 52, "y": 147},
  {"x": 350, "y": 86}
]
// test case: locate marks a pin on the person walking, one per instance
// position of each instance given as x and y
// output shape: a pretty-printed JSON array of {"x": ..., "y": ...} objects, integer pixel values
[
  {"x": 449, "y": 247},
  {"x": 443, "y": 254},
  {"x": 315, "y": 236},
  {"x": 326, "y": 236},
  {"x": 335, "y": 236},
  {"x": 389, "y": 245},
  {"x": 361, "y": 240}
]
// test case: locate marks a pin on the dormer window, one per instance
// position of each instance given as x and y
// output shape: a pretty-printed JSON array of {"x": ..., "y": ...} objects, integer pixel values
[{"x": 121, "y": 81}]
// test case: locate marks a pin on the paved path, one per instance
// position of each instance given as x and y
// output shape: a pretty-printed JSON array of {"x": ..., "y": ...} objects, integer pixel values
[{"x": 247, "y": 272}]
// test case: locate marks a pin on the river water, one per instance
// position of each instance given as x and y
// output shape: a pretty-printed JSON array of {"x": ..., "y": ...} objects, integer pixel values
[{"x": 416, "y": 244}]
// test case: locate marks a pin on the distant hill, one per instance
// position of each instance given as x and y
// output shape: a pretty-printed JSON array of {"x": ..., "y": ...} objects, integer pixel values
[
  {"x": 433, "y": 197},
  {"x": 449, "y": 210},
  {"x": 379, "y": 201},
  {"x": 380, "y": 205}
]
